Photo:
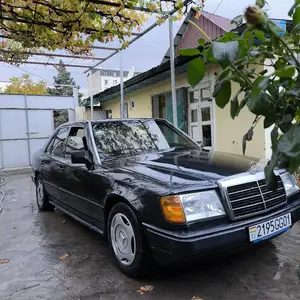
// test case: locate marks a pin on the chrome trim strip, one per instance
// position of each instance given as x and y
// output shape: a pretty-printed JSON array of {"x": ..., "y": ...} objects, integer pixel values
[
  {"x": 232, "y": 193},
  {"x": 77, "y": 218},
  {"x": 240, "y": 199},
  {"x": 251, "y": 205},
  {"x": 93, "y": 142}
]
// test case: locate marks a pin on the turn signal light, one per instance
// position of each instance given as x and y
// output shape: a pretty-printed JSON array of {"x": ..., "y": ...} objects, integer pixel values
[{"x": 172, "y": 209}]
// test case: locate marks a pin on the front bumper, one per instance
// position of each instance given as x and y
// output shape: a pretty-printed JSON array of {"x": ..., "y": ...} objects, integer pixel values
[{"x": 169, "y": 246}]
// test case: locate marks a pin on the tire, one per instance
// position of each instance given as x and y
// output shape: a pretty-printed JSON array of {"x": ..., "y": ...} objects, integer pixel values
[
  {"x": 127, "y": 241},
  {"x": 42, "y": 197}
]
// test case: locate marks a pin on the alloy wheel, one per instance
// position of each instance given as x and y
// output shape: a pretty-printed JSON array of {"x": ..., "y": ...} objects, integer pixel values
[
  {"x": 123, "y": 239},
  {"x": 40, "y": 193}
]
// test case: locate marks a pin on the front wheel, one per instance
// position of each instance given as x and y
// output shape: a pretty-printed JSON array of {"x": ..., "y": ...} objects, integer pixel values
[
  {"x": 42, "y": 198},
  {"x": 127, "y": 241}
]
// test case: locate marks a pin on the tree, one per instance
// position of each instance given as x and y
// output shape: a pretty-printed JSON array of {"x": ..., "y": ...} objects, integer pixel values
[
  {"x": 63, "y": 78},
  {"x": 25, "y": 85},
  {"x": 273, "y": 96},
  {"x": 75, "y": 24}
]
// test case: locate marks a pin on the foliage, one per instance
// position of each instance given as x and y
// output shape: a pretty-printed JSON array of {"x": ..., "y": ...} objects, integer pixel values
[
  {"x": 63, "y": 78},
  {"x": 272, "y": 95},
  {"x": 75, "y": 24},
  {"x": 25, "y": 85}
]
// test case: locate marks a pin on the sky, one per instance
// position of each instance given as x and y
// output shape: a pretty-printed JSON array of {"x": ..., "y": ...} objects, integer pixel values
[{"x": 145, "y": 53}]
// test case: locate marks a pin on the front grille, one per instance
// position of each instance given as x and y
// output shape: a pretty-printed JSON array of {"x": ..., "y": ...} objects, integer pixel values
[{"x": 253, "y": 197}]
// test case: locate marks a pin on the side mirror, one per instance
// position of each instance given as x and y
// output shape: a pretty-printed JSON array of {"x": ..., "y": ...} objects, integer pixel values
[{"x": 78, "y": 157}]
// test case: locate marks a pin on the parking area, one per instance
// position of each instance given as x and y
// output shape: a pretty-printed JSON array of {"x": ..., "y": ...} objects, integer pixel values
[{"x": 50, "y": 256}]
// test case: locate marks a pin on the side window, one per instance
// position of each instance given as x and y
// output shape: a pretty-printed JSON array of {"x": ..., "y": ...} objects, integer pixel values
[
  {"x": 57, "y": 146},
  {"x": 75, "y": 142}
]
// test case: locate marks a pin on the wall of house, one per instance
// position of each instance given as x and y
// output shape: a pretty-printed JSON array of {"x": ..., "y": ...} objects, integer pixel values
[
  {"x": 143, "y": 99},
  {"x": 228, "y": 132}
]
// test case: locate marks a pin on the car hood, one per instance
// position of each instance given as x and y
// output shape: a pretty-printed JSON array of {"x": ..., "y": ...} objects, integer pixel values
[{"x": 181, "y": 170}]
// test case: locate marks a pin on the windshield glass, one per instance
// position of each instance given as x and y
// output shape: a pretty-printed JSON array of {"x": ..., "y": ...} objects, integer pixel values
[{"x": 130, "y": 137}]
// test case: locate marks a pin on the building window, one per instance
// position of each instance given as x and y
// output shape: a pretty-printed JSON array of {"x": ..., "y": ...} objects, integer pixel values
[
  {"x": 131, "y": 104},
  {"x": 115, "y": 82},
  {"x": 115, "y": 74},
  {"x": 106, "y": 82}
]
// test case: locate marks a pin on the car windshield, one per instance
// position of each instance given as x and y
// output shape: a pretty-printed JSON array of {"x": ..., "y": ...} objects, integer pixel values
[{"x": 130, "y": 137}]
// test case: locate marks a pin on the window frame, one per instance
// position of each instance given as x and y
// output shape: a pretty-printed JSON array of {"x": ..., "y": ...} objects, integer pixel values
[
  {"x": 75, "y": 126},
  {"x": 50, "y": 143}
]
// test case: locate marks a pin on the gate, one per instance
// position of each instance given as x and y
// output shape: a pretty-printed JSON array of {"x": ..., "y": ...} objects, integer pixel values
[{"x": 26, "y": 123}]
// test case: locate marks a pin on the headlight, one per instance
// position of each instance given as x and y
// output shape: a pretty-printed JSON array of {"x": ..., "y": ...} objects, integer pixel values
[
  {"x": 290, "y": 184},
  {"x": 191, "y": 207}
]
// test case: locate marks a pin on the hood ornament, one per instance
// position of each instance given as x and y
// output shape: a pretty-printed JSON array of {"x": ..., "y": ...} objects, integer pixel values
[{"x": 253, "y": 168}]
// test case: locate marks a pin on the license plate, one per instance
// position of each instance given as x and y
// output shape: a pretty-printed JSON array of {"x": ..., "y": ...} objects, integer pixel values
[{"x": 270, "y": 228}]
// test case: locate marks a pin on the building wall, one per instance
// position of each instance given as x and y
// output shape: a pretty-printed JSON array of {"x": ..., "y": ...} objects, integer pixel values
[{"x": 228, "y": 132}]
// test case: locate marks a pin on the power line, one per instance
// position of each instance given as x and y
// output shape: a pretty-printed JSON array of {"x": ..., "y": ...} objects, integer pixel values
[
  {"x": 215, "y": 9},
  {"x": 32, "y": 73}
]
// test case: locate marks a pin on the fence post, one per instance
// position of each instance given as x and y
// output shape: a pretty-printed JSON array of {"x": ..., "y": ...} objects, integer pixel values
[{"x": 27, "y": 128}]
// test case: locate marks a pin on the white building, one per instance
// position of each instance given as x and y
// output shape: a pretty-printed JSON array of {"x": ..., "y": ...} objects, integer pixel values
[{"x": 100, "y": 80}]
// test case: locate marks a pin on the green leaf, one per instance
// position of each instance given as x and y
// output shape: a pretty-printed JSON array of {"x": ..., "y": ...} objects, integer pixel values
[
  {"x": 195, "y": 71},
  {"x": 260, "y": 3},
  {"x": 238, "y": 21},
  {"x": 287, "y": 71},
  {"x": 208, "y": 55},
  {"x": 289, "y": 144},
  {"x": 201, "y": 42},
  {"x": 249, "y": 38},
  {"x": 274, "y": 137},
  {"x": 296, "y": 29},
  {"x": 232, "y": 36},
  {"x": 225, "y": 53},
  {"x": 223, "y": 74},
  {"x": 189, "y": 52},
  {"x": 268, "y": 122},
  {"x": 259, "y": 102},
  {"x": 234, "y": 106},
  {"x": 296, "y": 16},
  {"x": 222, "y": 93},
  {"x": 259, "y": 34},
  {"x": 243, "y": 48},
  {"x": 270, "y": 176}
]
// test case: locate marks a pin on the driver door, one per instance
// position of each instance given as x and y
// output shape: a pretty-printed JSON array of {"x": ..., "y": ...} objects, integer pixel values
[{"x": 75, "y": 187}]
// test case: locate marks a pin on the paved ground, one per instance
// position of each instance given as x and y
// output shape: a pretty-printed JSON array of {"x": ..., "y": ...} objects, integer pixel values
[{"x": 33, "y": 243}]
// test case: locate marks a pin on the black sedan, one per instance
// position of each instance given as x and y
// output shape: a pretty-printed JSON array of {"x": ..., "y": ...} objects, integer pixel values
[{"x": 156, "y": 194}]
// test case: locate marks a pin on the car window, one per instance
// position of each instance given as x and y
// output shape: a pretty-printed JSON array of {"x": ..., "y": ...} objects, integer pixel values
[
  {"x": 130, "y": 137},
  {"x": 57, "y": 146},
  {"x": 74, "y": 141}
]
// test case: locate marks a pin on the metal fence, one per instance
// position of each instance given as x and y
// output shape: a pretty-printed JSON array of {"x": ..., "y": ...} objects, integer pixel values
[{"x": 26, "y": 123}]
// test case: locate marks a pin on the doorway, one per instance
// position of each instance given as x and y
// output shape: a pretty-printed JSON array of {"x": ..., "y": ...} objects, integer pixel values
[{"x": 200, "y": 115}]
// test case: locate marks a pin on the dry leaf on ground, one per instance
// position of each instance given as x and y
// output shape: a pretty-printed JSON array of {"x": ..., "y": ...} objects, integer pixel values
[
  {"x": 64, "y": 221},
  {"x": 145, "y": 289},
  {"x": 196, "y": 298},
  {"x": 3, "y": 261},
  {"x": 63, "y": 257},
  {"x": 15, "y": 227}
]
